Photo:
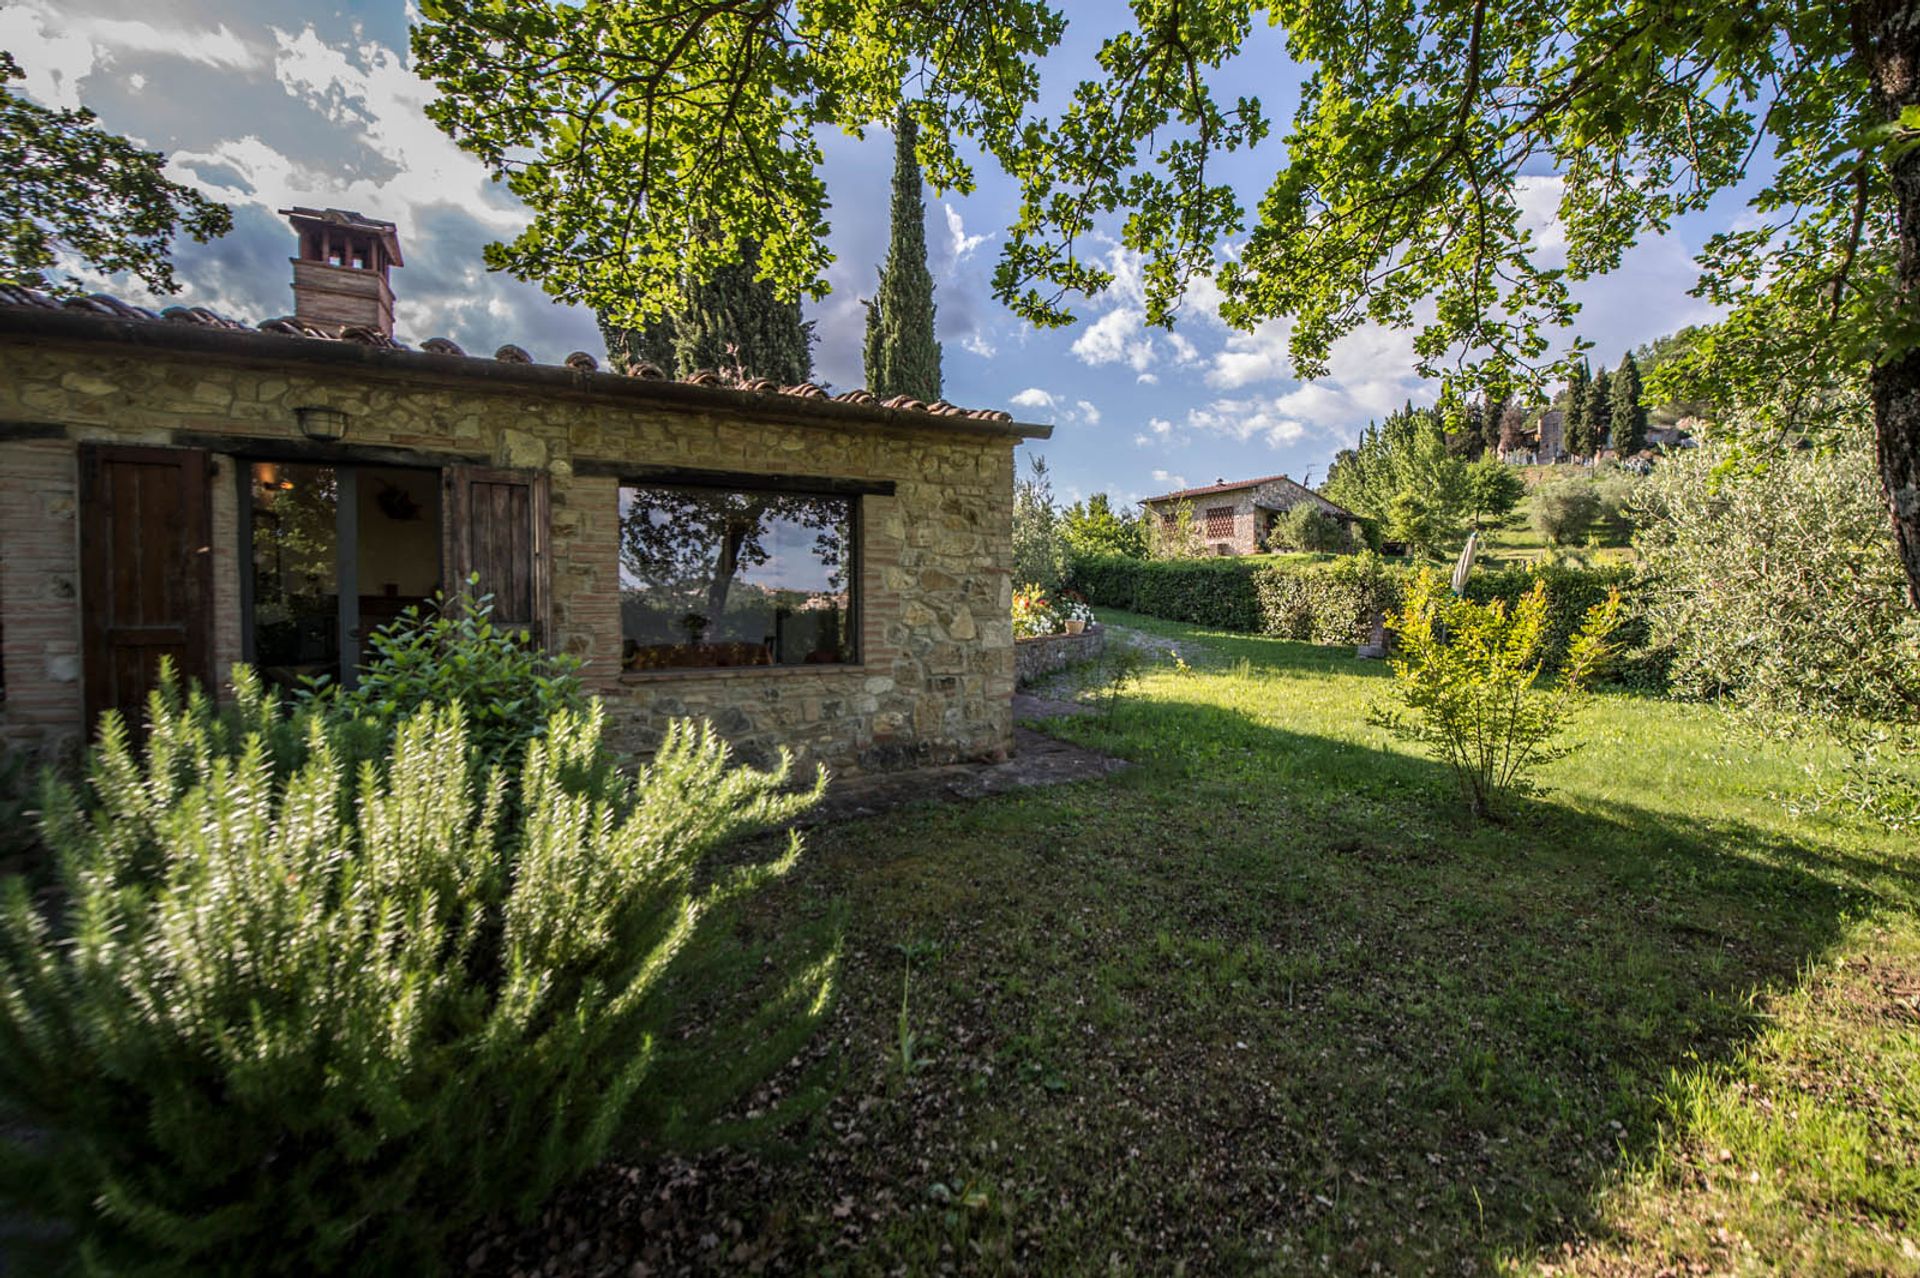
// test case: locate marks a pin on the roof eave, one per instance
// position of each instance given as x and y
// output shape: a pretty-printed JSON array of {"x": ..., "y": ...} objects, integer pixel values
[{"x": 83, "y": 328}]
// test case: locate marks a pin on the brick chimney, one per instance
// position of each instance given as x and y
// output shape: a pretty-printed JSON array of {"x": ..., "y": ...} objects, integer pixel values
[{"x": 340, "y": 275}]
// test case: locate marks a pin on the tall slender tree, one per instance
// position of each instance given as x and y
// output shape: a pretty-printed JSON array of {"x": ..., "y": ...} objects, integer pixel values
[
  {"x": 1573, "y": 430},
  {"x": 1599, "y": 413},
  {"x": 733, "y": 323},
  {"x": 902, "y": 353},
  {"x": 628, "y": 348},
  {"x": 1629, "y": 414},
  {"x": 1492, "y": 413},
  {"x": 737, "y": 324}
]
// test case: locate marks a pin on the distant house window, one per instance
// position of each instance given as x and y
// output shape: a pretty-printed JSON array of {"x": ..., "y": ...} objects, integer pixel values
[
  {"x": 733, "y": 577},
  {"x": 1219, "y": 523}
]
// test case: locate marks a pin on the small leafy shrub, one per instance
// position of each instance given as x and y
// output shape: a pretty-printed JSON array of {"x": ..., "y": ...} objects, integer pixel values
[
  {"x": 1033, "y": 613},
  {"x": 1117, "y": 669},
  {"x": 1465, "y": 685},
  {"x": 1573, "y": 591},
  {"x": 451, "y": 653},
  {"x": 1308, "y": 528},
  {"x": 297, "y": 1019},
  {"x": 1564, "y": 509}
]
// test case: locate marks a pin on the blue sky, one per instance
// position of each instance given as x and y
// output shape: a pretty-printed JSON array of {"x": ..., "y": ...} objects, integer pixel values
[{"x": 267, "y": 103}]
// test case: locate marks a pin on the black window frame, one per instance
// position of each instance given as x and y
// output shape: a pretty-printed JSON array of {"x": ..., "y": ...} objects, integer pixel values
[{"x": 852, "y": 491}]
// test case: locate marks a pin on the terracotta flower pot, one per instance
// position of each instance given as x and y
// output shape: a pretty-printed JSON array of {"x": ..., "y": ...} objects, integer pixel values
[{"x": 1074, "y": 627}]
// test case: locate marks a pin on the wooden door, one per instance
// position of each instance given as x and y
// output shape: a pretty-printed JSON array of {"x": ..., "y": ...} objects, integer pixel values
[
  {"x": 146, "y": 573},
  {"x": 497, "y": 527}
]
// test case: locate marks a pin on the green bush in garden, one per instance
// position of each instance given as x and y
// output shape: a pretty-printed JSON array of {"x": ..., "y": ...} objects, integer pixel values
[
  {"x": 1306, "y": 527},
  {"x": 290, "y": 1016},
  {"x": 1572, "y": 593},
  {"x": 452, "y": 653},
  {"x": 1564, "y": 509},
  {"x": 1466, "y": 684}
]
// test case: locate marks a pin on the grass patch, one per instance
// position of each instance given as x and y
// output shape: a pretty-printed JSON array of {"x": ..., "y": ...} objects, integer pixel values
[{"x": 1268, "y": 1002}]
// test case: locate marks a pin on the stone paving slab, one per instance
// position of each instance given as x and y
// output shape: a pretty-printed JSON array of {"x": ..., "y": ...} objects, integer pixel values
[{"x": 1037, "y": 760}]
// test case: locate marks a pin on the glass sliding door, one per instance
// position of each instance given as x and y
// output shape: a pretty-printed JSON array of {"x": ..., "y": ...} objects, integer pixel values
[
  {"x": 294, "y": 621},
  {"x": 334, "y": 552}
]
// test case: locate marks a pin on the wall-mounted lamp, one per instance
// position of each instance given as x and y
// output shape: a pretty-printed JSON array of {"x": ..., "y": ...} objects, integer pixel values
[{"x": 321, "y": 425}]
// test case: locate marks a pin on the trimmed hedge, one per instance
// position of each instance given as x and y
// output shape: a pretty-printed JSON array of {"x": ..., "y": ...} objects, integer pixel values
[
  {"x": 1204, "y": 592},
  {"x": 1326, "y": 603}
]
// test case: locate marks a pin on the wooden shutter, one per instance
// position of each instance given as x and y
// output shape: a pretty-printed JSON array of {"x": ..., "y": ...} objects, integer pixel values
[
  {"x": 146, "y": 573},
  {"x": 1220, "y": 523},
  {"x": 497, "y": 527}
]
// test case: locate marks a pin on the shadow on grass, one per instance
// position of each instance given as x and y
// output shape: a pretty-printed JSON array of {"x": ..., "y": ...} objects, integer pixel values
[
  {"x": 1264, "y": 1002},
  {"x": 1478, "y": 1022}
]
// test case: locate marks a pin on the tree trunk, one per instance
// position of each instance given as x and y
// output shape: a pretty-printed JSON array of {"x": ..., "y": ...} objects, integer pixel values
[{"x": 1886, "y": 33}]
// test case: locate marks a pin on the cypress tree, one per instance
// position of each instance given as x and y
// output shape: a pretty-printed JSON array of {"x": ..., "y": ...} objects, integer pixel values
[
  {"x": 1573, "y": 432},
  {"x": 1629, "y": 414},
  {"x": 1599, "y": 412},
  {"x": 652, "y": 343},
  {"x": 732, "y": 322},
  {"x": 735, "y": 322},
  {"x": 902, "y": 353},
  {"x": 1492, "y": 412}
]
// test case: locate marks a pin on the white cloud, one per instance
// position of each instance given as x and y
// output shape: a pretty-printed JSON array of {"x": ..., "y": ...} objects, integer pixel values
[
  {"x": 1246, "y": 419},
  {"x": 54, "y": 55},
  {"x": 1158, "y": 434},
  {"x": 1033, "y": 397},
  {"x": 1088, "y": 413},
  {"x": 1148, "y": 379},
  {"x": 977, "y": 343},
  {"x": 1184, "y": 351},
  {"x": 1249, "y": 357},
  {"x": 1539, "y": 201},
  {"x": 1116, "y": 336},
  {"x": 1170, "y": 479},
  {"x": 963, "y": 244}
]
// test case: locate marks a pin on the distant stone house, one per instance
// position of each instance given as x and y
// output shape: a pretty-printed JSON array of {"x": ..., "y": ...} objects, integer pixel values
[
  {"x": 1545, "y": 445},
  {"x": 1237, "y": 518},
  {"x": 821, "y": 572}
]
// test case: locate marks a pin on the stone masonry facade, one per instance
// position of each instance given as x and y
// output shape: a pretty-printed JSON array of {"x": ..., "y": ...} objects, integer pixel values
[
  {"x": 1251, "y": 507},
  {"x": 935, "y": 675}
]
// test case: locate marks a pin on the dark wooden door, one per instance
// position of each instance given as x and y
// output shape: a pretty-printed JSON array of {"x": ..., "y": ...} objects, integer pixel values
[
  {"x": 146, "y": 573},
  {"x": 497, "y": 528}
]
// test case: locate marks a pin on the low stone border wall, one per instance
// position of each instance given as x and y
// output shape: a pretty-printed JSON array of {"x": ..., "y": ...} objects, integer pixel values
[{"x": 1044, "y": 654}]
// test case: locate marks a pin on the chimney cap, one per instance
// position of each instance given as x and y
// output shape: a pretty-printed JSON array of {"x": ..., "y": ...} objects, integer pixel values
[{"x": 387, "y": 232}]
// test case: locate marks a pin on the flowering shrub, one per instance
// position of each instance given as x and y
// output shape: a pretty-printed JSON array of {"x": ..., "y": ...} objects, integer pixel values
[{"x": 1033, "y": 613}]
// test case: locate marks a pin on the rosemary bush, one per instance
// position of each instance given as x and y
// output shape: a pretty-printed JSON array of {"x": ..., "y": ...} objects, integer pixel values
[
  {"x": 1466, "y": 682},
  {"x": 297, "y": 1016}
]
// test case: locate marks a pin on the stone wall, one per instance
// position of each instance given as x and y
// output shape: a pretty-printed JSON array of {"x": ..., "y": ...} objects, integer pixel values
[
  {"x": 1043, "y": 654},
  {"x": 936, "y": 674}
]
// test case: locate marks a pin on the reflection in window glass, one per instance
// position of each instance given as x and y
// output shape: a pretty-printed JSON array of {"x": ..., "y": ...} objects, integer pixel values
[
  {"x": 296, "y": 599},
  {"x": 717, "y": 577}
]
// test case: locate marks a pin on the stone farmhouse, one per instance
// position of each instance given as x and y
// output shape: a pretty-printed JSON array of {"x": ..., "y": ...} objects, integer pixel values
[
  {"x": 1236, "y": 518},
  {"x": 823, "y": 572}
]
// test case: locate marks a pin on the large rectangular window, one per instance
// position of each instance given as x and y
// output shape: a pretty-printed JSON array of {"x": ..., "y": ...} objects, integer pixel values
[{"x": 714, "y": 577}]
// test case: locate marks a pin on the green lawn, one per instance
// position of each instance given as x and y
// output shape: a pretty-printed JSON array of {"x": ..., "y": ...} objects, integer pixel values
[{"x": 1267, "y": 1002}]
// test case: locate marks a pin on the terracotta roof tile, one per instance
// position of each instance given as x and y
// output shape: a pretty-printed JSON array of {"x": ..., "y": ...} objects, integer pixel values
[{"x": 580, "y": 361}]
